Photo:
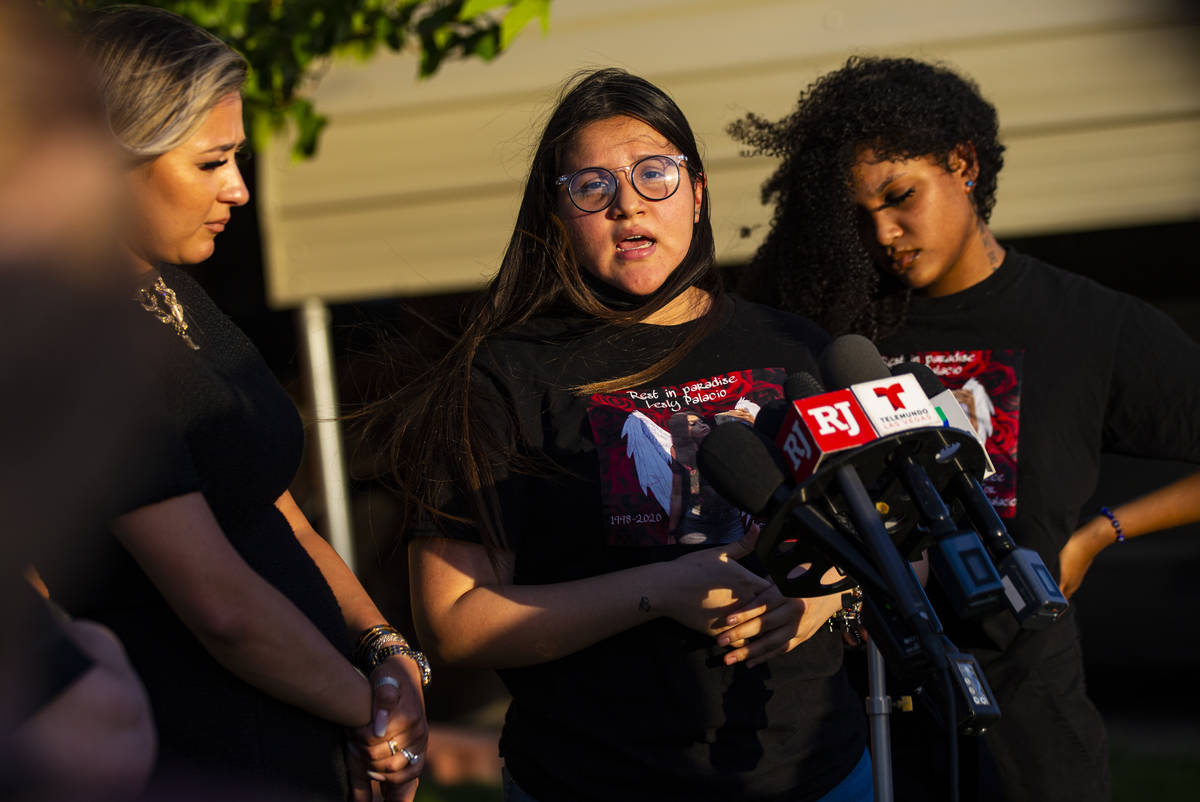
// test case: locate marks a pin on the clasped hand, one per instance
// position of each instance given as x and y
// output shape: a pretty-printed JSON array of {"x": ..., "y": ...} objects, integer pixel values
[
  {"x": 377, "y": 750},
  {"x": 716, "y": 595},
  {"x": 772, "y": 624}
]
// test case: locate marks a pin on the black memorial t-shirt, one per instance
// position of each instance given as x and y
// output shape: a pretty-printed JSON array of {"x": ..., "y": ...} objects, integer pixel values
[
  {"x": 1054, "y": 369},
  {"x": 652, "y": 713}
]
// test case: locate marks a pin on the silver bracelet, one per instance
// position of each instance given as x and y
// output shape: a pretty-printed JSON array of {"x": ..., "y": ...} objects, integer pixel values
[{"x": 417, "y": 657}]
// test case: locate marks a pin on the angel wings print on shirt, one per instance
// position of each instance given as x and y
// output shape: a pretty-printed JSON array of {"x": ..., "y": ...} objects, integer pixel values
[{"x": 646, "y": 441}]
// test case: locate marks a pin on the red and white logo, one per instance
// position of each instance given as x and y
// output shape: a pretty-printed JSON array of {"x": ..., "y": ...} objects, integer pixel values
[
  {"x": 895, "y": 404},
  {"x": 794, "y": 443},
  {"x": 821, "y": 425},
  {"x": 892, "y": 393},
  {"x": 834, "y": 418}
]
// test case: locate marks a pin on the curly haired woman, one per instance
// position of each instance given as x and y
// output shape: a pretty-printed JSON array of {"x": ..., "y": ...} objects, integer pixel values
[{"x": 886, "y": 183}]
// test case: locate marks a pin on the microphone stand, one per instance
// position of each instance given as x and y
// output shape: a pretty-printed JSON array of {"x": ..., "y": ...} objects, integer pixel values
[
  {"x": 899, "y": 615},
  {"x": 885, "y": 578},
  {"x": 866, "y": 572},
  {"x": 912, "y": 606},
  {"x": 879, "y": 710}
]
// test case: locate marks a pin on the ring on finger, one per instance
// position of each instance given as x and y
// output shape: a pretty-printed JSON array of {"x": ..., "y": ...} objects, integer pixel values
[
  {"x": 392, "y": 746},
  {"x": 413, "y": 757}
]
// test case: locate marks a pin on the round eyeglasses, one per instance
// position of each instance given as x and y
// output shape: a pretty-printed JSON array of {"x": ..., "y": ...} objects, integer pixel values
[{"x": 593, "y": 189}]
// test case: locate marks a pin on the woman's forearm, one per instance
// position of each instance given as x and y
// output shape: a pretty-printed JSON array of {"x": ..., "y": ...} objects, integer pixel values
[
  {"x": 501, "y": 626},
  {"x": 358, "y": 609},
  {"x": 1175, "y": 504},
  {"x": 468, "y": 615},
  {"x": 279, "y": 651},
  {"x": 243, "y": 621}
]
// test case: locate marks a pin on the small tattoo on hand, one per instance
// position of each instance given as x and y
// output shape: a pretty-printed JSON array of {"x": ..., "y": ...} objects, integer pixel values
[{"x": 644, "y": 604}]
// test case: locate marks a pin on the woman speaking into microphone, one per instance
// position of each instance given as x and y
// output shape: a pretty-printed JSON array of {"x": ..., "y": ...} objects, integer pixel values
[{"x": 563, "y": 539}]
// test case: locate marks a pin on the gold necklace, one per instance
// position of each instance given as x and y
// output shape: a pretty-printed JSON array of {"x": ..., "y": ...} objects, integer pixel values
[{"x": 172, "y": 315}]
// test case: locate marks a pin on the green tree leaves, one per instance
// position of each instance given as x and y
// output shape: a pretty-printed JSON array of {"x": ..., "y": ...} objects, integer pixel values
[{"x": 288, "y": 42}]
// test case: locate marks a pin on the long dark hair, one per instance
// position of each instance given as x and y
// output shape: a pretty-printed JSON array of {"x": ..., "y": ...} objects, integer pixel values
[
  {"x": 814, "y": 260},
  {"x": 432, "y": 421}
]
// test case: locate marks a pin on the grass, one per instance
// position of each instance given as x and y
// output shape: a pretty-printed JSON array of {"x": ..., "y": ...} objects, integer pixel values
[{"x": 1163, "y": 778}]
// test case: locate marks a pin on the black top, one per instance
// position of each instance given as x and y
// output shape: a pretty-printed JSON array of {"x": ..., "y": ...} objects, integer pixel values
[
  {"x": 652, "y": 713},
  {"x": 237, "y": 438},
  {"x": 1057, "y": 369}
]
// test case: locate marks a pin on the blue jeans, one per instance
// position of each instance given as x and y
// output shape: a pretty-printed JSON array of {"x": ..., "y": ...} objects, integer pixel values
[{"x": 858, "y": 786}]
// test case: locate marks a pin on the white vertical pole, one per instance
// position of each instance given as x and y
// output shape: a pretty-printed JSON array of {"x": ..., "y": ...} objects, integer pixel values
[{"x": 318, "y": 355}]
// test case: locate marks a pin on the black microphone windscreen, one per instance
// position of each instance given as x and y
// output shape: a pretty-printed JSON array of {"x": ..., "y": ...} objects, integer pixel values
[
  {"x": 931, "y": 385},
  {"x": 852, "y": 359},
  {"x": 770, "y": 417},
  {"x": 801, "y": 385},
  {"x": 767, "y": 424},
  {"x": 738, "y": 465}
]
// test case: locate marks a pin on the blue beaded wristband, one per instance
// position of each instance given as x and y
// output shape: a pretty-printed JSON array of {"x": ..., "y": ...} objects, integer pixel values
[{"x": 1112, "y": 519}]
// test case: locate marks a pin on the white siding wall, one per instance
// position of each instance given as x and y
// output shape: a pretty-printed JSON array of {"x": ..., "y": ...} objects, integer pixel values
[{"x": 416, "y": 183}]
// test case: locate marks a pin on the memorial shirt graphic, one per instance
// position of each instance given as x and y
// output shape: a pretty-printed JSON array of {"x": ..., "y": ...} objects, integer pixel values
[
  {"x": 652, "y": 493},
  {"x": 987, "y": 385}
]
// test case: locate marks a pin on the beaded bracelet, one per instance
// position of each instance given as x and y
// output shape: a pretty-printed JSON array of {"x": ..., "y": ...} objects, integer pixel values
[
  {"x": 370, "y": 633},
  {"x": 371, "y": 657},
  {"x": 1116, "y": 524},
  {"x": 409, "y": 652},
  {"x": 369, "y": 642},
  {"x": 382, "y": 641}
]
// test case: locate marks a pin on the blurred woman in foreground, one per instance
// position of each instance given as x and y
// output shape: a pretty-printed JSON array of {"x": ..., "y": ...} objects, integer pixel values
[{"x": 68, "y": 695}]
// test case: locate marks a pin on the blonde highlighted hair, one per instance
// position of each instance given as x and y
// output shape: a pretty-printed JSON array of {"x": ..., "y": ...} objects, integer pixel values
[{"x": 159, "y": 73}]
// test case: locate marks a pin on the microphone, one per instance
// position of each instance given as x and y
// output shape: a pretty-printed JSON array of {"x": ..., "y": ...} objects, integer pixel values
[
  {"x": 958, "y": 559},
  {"x": 737, "y": 462},
  {"x": 1032, "y": 594},
  {"x": 770, "y": 417},
  {"x": 899, "y": 404},
  {"x": 892, "y": 403},
  {"x": 815, "y": 425},
  {"x": 814, "y": 430},
  {"x": 798, "y": 544},
  {"x": 944, "y": 401}
]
